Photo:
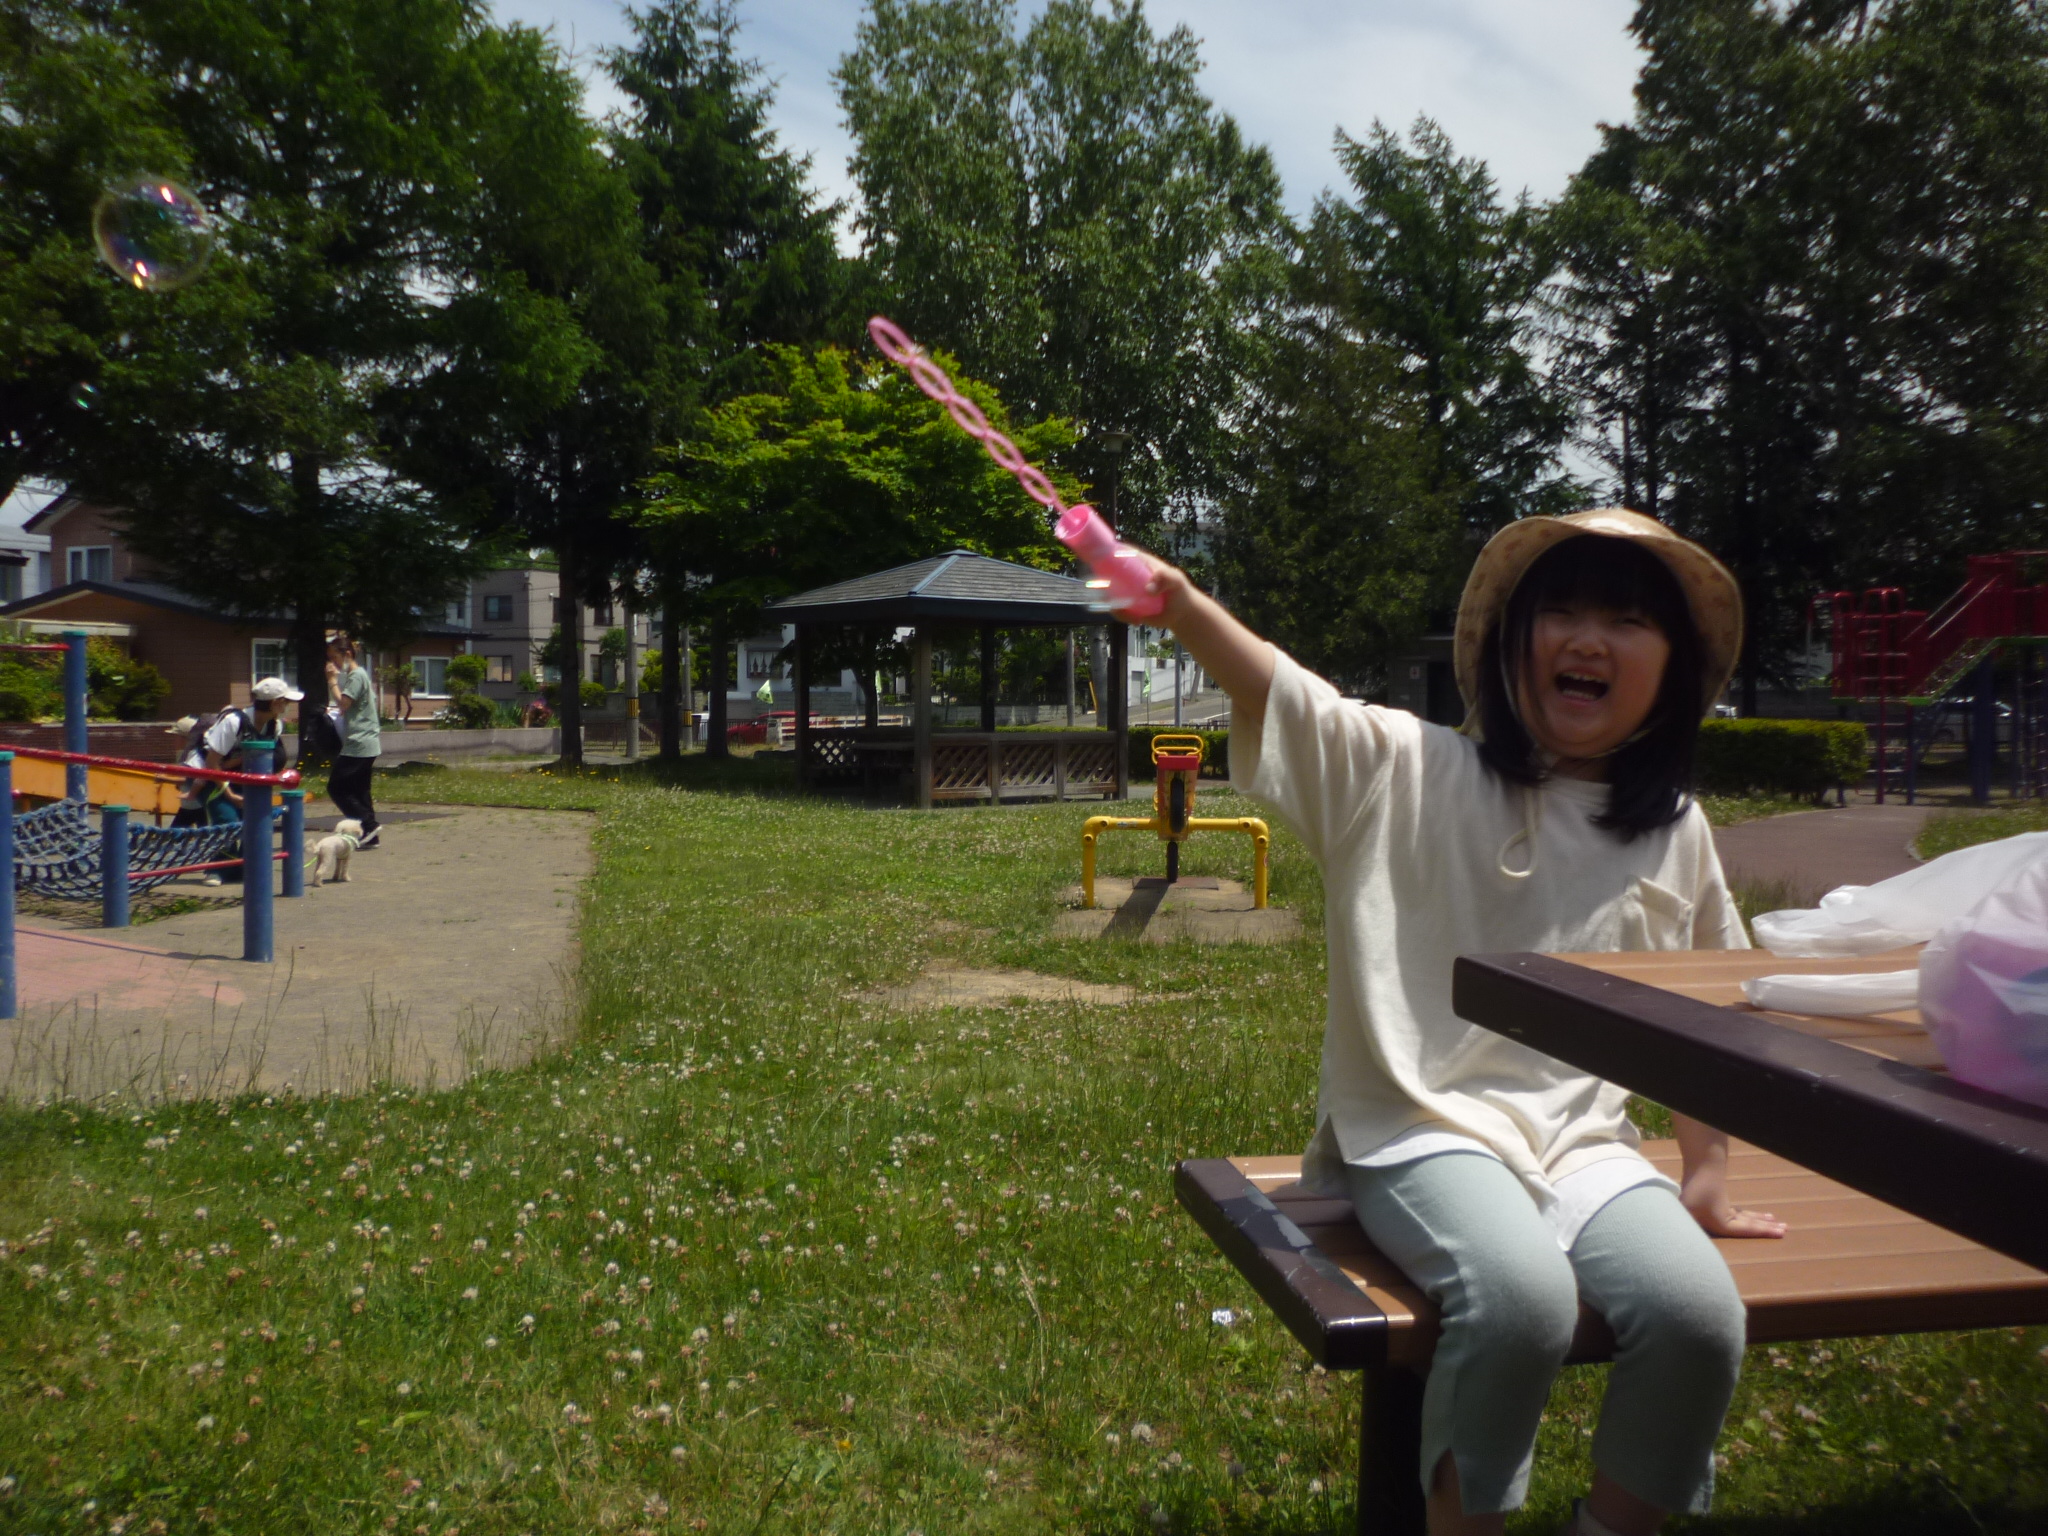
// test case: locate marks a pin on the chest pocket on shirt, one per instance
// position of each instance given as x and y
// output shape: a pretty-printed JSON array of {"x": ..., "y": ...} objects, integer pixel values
[{"x": 1655, "y": 917}]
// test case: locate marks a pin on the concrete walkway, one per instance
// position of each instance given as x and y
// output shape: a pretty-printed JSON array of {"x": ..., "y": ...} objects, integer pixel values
[
  {"x": 450, "y": 949},
  {"x": 1812, "y": 852}
]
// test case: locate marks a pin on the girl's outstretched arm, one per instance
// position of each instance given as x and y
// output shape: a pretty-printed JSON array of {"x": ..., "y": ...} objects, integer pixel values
[
  {"x": 1703, "y": 1185},
  {"x": 1239, "y": 660}
]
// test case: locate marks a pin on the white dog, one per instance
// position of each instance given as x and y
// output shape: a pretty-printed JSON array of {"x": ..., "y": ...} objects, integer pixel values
[{"x": 331, "y": 853}]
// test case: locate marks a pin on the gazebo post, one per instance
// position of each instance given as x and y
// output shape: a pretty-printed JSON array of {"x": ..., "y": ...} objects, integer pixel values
[
  {"x": 1120, "y": 704},
  {"x": 988, "y": 677},
  {"x": 803, "y": 706},
  {"x": 921, "y": 715}
]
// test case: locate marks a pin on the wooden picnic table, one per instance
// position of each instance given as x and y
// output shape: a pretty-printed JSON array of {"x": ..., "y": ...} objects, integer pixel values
[{"x": 1863, "y": 1101}]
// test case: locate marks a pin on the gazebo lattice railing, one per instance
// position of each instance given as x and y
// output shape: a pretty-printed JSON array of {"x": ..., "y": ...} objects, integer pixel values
[{"x": 953, "y": 591}]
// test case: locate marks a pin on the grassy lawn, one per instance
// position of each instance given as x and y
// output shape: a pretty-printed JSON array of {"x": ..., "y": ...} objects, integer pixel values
[
  {"x": 763, "y": 1254},
  {"x": 1946, "y": 831}
]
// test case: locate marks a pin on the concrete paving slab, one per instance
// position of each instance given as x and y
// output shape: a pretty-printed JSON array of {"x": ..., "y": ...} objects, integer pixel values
[{"x": 451, "y": 948}]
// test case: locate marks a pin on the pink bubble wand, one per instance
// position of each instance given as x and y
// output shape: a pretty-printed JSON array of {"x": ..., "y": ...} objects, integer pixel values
[{"x": 1120, "y": 572}]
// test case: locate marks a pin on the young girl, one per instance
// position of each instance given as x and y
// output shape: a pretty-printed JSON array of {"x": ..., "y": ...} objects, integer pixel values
[{"x": 1505, "y": 1183}]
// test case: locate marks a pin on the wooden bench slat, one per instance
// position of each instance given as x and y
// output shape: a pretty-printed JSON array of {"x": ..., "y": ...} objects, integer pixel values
[{"x": 1851, "y": 1265}]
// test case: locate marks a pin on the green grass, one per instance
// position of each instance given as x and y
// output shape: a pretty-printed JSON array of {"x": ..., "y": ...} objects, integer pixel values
[
  {"x": 760, "y": 1254},
  {"x": 1946, "y": 831},
  {"x": 1733, "y": 810}
]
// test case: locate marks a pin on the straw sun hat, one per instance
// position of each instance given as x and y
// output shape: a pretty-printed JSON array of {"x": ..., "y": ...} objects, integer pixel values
[{"x": 1710, "y": 592}]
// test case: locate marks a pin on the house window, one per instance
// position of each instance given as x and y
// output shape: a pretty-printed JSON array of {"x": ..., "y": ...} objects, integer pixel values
[
  {"x": 762, "y": 664},
  {"x": 10, "y": 581},
  {"x": 498, "y": 610},
  {"x": 601, "y": 615},
  {"x": 430, "y": 677},
  {"x": 498, "y": 669},
  {"x": 458, "y": 609},
  {"x": 272, "y": 658},
  {"x": 90, "y": 562}
]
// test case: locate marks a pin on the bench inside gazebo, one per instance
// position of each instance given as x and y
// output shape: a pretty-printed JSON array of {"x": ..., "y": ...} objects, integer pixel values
[{"x": 951, "y": 592}]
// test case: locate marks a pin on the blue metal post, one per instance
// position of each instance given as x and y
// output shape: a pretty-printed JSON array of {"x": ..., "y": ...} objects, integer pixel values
[
  {"x": 75, "y": 736},
  {"x": 258, "y": 933},
  {"x": 114, "y": 866},
  {"x": 294, "y": 842},
  {"x": 1983, "y": 730},
  {"x": 7, "y": 994}
]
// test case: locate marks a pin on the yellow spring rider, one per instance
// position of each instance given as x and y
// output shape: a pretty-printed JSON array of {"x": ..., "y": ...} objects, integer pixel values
[{"x": 1176, "y": 761}]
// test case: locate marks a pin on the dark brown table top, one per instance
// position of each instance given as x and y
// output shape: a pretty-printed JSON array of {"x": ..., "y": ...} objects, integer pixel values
[{"x": 1863, "y": 1101}]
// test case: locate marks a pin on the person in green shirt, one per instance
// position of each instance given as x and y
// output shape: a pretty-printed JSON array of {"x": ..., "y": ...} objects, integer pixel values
[{"x": 349, "y": 686}]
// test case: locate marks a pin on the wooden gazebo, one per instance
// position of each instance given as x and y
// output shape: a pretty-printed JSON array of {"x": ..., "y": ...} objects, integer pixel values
[{"x": 953, "y": 591}]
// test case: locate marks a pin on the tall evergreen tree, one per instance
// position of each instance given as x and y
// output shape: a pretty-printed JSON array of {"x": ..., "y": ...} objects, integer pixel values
[
  {"x": 346, "y": 151},
  {"x": 1067, "y": 211},
  {"x": 745, "y": 255},
  {"x": 1402, "y": 417},
  {"x": 1805, "y": 290}
]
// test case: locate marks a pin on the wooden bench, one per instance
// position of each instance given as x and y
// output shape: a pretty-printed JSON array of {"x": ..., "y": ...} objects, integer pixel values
[{"x": 1851, "y": 1265}]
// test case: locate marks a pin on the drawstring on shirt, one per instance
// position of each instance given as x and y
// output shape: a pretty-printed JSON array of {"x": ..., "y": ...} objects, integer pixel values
[{"x": 1532, "y": 822}]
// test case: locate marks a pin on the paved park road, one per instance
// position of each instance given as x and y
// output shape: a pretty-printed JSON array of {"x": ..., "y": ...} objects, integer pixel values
[
  {"x": 452, "y": 946},
  {"x": 1815, "y": 851}
]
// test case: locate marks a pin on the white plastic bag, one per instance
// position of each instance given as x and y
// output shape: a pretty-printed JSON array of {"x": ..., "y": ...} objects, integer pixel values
[
  {"x": 1984, "y": 990},
  {"x": 1841, "y": 996},
  {"x": 1906, "y": 909}
]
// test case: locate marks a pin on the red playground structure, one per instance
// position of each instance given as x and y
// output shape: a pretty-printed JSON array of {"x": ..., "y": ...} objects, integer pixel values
[{"x": 1928, "y": 673}]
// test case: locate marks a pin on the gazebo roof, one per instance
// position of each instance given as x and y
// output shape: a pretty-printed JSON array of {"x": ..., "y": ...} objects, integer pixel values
[{"x": 960, "y": 588}]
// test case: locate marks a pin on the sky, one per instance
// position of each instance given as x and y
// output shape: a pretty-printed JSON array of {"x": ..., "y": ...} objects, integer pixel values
[{"x": 1522, "y": 84}]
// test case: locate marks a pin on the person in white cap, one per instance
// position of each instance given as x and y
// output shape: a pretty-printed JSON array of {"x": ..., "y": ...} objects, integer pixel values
[
  {"x": 1506, "y": 1184},
  {"x": 233, "y": 730}
]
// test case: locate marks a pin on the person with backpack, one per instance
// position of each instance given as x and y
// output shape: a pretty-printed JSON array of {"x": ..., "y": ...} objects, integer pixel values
[
  {"x": 348, "y": 785},
  {"x": 224, "y": 738}
]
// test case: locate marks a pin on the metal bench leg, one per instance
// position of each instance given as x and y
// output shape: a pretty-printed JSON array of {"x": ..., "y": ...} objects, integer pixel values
[{"x": 1389, "y": 1451}]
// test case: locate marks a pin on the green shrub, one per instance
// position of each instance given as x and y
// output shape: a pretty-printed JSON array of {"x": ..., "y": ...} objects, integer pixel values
[
  {"x": 1215, "y": 750},
  {"x": 1785, "y": 757},
  {"x": 466, "y": 673},
  {"x": 116, "y": 684},
  {"x": 592, "y": 693},
  {"x": 467, "y": 711}
]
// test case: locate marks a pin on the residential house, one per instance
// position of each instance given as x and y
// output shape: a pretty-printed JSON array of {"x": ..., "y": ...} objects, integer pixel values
[
  {"x": 210, "y": 659},
  {"x": 513, "y": 609}
]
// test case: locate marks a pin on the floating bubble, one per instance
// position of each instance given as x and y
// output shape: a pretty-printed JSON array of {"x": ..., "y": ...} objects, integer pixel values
[
  {"x": 85, "y": 396},
  {"x": 153, "y": 233}
]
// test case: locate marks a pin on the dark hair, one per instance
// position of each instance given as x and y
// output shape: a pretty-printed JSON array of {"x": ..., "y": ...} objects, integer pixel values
[{"x": 1649, "y": 778}]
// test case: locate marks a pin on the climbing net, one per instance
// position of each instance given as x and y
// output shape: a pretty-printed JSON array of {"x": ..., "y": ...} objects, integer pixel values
[{"x": 57, "y": 852}]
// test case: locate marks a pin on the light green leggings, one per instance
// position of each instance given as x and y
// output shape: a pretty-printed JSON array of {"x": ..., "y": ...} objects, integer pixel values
[{"x": 1464, "y": 1229}]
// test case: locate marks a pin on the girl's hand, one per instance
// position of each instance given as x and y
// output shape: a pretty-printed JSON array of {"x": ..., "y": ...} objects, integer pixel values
[
  {"x": 1719, "y": 1217},
  {"x": 1168, "y": 582},
  {"x": 1703, "y": 1186}
]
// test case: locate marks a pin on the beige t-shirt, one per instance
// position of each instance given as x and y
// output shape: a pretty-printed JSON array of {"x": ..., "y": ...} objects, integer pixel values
[{"x": 1415, "y": 837}]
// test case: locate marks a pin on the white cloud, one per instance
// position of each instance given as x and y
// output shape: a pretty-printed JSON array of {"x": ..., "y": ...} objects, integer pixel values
[{"x": 1522, "y": 84}]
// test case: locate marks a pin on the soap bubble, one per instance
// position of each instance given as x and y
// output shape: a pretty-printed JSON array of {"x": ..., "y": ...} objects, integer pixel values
[
  {"x": 153, "y": 233},
  {"x": 85, "y": 396}
]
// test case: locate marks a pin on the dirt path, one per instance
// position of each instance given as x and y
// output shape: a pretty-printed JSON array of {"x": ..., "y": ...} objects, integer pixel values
[{"x": 451, "y": 947}]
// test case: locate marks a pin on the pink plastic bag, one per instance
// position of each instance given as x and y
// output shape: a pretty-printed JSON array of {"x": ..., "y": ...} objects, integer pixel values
[{"x": 1984, "y": 989}]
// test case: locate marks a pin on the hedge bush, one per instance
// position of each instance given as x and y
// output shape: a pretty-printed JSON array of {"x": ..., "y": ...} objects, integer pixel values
[
  {"x": 1215, "y": 750},
  {"x": 1782, "y": 757}
]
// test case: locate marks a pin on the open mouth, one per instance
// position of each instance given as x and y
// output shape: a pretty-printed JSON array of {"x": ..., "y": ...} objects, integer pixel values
[{"x": 1577, "y": 685}]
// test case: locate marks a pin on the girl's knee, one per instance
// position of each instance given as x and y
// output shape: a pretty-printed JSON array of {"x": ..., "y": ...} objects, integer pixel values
[
  {"x": 1700, "y": 1326},
  {"x": 1527, "y": 1309}
]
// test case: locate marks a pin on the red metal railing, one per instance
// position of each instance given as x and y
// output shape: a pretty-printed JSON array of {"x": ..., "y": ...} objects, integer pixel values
[{"x": 289, "y": 779}]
